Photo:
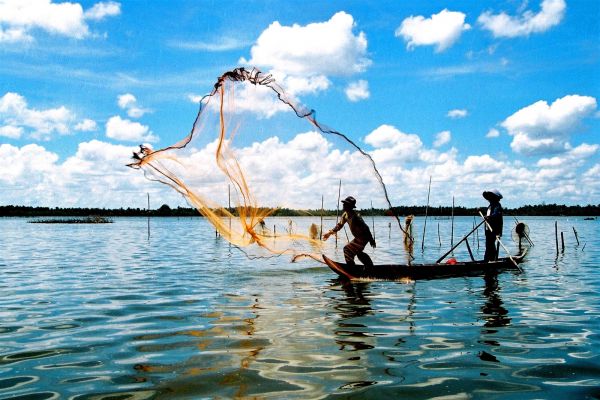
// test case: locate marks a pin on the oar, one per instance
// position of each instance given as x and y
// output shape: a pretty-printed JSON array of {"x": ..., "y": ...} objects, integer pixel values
[
  {"x": 501, "y": 244},
  {"x": 459, "y": 242}
]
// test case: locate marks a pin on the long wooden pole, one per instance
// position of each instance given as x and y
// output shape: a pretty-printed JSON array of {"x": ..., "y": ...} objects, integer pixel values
[
  {"x": 576, "y": 237},
  {"x": 373, "y": 219},
  {"x": 321, "y": 230},
  {"x": 459, "y": 242},
  {"x": 452, "y": 229},
  {"x": 337, "y": 211},
  {"x": 148, "y": 211},
  {"x": 556, "y": 235},
  {"x": 426, "y": 211}
]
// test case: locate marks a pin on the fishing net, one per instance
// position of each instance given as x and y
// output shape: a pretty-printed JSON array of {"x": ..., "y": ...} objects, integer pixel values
[{"x": 253, "y": 150}]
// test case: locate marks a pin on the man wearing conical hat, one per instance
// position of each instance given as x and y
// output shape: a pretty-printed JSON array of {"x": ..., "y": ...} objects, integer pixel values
[{"x": 495, "y": 221}]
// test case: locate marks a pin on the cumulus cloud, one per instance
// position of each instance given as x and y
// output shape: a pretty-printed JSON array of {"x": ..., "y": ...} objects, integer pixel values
[
  {"x": 102, "y": 10},
  {"x": 492, "y": 133},
  {"x": 129, "y": 103},
  {"x": 303, "y": 57},
  {"x": 16, "y": 117},
  {"x": 504, "y": 25},
  {"x": 18, "y": 18},
  {"x": 11, "y": 132},
  {"x": 303, "y": 166},
  {"x": 87, "y": 125},
  {"x": 441, "y": 30},
  {"x": 457, "y": 113},
  {"x": 442, "y": 138},
  {"x": 126, "y": 130},
  {"x": 542, "y": 128},
  {"x": 358, "y": 90},
  {"x": 95, "y": 175}
]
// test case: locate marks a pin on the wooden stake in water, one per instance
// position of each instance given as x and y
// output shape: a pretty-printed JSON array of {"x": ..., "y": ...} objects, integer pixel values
[
  {"x": 426, "y": 211},
  {"x": 452, "y": 228},
  {"x": 562, "y": 241},
  {"x": 337, "y": 211},
  {"x": 576, "y": 237},
  {"x": 321, "y": 230},
  {"x": 439, "y": 238},
  {"x": 556, "y": 235},
  {"x": 373, "y": 219},
  {"x": 148, "y": 212}
]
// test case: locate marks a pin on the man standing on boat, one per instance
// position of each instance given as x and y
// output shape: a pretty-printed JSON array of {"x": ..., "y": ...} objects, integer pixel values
[
  {"x": 495, "y": 221},
  {"x": 360, "y": 230}
]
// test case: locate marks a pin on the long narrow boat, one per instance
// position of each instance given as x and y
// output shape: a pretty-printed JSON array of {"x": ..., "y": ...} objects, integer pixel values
[{"x": 422, "y": 271}]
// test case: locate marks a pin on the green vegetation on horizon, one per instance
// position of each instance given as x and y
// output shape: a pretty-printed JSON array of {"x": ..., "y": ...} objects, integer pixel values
[{"x": 166, "y": 211}]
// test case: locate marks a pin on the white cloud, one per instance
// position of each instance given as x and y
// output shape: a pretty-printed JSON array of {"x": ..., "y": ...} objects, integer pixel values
[
  {"x": 504, "y": 25},
  {"x": 358, "y": 90},
  {"x": 18, "y": 18},
  {"x": 87, "y": 125},
  {"x": 442, "y": 30},
  {"x": 126, "y": 130},
  {"x": 442, "y": 138},
  {"x": 128, "y": 102},
  {"x": 322, "y": 48},
  {"x": 42, "y": 124},
  {"x": 10, "y": 131},
  {"x": 541, "y": 128},
  {"x": 302, "y": 58},
  {"x": 102, "y": 10},
  {"x": 304, "y": 166},
  {"x": 217, "y": 45},
  {"x": 95, "y": 175},
  {"x": 493, "y": 133},
  {"x": 457, "y": 113},
  {"x": 392, "y": 145}
]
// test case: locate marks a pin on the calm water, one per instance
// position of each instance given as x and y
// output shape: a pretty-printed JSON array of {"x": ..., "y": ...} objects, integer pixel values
[{"x": 103, "y": 312}]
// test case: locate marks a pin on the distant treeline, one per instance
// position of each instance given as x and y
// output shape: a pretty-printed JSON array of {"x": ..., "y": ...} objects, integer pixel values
[{"x": 166, "y": 211}]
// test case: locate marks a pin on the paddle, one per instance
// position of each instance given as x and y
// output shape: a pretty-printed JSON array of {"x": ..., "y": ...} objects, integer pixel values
[{"x": 501, "y": 244}]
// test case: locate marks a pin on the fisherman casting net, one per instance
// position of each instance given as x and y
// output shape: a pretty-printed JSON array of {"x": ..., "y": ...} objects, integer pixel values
[{"x": 253, "y": 150}]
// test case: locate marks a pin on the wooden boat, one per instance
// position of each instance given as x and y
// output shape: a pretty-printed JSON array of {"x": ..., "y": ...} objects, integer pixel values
[{"x": 422, "y": 271}]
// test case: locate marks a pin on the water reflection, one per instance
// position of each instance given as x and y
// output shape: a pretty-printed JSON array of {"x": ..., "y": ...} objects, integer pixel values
[
  {"x": 351, "y": 335},
  {"x": 493, "y": 311}
]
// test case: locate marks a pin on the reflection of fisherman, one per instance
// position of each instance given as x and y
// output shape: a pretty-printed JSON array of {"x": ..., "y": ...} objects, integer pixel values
[
  {"x": 360, "y": 230},
  {"x": 494, "y": 219}
]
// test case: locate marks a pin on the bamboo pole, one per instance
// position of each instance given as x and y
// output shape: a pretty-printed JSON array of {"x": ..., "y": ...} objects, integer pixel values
[
  {"x": 439, "y": 238},
  {"x": 562, "y": 241},
  {"x": 148, "y": 212},
  {"x": 337, "y": 211},
  {"x": 576, "y": 237},
  {"x": 469, "y": 249},
  {"x": 452, "y": 230},
  {"x": 373, "y": 219},
  {"x": 321, "y": 230},
  {"x": 459, "y": 242},
  {"x": 426, "y": 211},
  {"x": 556, "y": 235}
]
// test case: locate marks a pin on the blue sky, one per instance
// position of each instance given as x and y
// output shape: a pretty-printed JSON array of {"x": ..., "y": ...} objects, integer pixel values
[{"x": 479, "y": 95}]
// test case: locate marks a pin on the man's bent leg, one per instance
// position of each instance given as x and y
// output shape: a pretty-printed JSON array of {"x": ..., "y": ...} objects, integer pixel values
[
  {"x": 364, "y": 258},
  {"x": 352, "y": 249}
]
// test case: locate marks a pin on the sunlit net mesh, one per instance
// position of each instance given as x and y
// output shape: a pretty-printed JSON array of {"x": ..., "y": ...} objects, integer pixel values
[{"x": 253, "y": 149}]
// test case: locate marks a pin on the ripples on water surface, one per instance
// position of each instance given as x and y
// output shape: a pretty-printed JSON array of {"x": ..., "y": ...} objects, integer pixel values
[{"x": 100, "y": 311}]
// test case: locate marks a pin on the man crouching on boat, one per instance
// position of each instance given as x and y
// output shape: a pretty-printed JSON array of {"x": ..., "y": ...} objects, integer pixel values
[{"x": 360, "y": 230}]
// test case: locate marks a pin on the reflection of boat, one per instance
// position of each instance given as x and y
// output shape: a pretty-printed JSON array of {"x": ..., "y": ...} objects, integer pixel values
[{"x": 421, "y": 271}]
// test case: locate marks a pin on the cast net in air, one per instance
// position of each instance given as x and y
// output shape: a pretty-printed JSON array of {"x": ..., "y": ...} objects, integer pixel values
[{"x": 253, "y": 150}]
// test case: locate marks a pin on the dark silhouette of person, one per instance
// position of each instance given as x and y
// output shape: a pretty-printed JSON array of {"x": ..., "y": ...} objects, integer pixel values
[
  {"x": 495, "y": 221},
  {"x": 360, "y": 230}
]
